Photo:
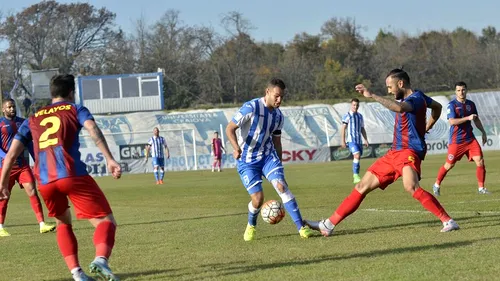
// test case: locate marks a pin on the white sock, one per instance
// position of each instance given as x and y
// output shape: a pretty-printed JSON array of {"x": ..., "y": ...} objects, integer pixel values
[
  {"x": 436, "y": 184},
  {"x": 42, "y": 224},
  {"x": 329, "y": 224},
  {"x": 75, "y": 270},
  {"x": 1, "y": 225}
]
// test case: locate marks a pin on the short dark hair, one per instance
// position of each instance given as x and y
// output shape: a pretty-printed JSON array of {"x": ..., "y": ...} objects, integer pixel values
[
  {"x": 276, "y": 82},
  {"x": 461, "y": 83},
  {"x": 355, "y": 100},
  {"x": 61, "y": 85},
  {"x": 401, "y": 75},
  {"x": 216, "y": 132},
  {"x": 6, "y": 100}
]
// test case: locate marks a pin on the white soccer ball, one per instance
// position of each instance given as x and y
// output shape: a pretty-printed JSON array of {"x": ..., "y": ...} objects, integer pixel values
[{"x": 272, "y": 212}]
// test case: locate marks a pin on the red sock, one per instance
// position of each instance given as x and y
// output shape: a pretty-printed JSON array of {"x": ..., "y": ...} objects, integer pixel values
[
  {"x": 441, "y": 174},
  {"x": 68, "y": 245},
  {"x": 347, "y": 207},
  {"x": 3, "y": 210},
  {"x": 104, "y": 238},
  {"x": 431, "y": 204},
  {"x": 36, "y": 205},
  {"x": 481, "y": 175}
]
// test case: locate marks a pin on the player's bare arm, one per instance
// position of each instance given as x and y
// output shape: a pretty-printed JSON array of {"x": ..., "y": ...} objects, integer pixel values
[
  {"x": 278, "y": 146},
  {"x": 436, "y": 109},
  {"x": 231, "y": 135},
  {"x": 365, "y": 138},
  {"x": 458, "y": 121},
  {"x": 167, "y": 152},
  {"x": 342, "y": 135},
  {"x": 16, "y": 148},
  {"x": 147, "y": 148},
  {"x": 100, "y": 141},
  {"x": 392, "y": 105},
  {"x": 479, "y": 126}
]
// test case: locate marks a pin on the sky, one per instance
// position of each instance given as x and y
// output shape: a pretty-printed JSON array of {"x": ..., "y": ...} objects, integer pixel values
[{"x": 280, "y": 20}]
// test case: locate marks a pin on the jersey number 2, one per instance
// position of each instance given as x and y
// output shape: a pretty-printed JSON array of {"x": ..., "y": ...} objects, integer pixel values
[{"x": 52, "y": 125}]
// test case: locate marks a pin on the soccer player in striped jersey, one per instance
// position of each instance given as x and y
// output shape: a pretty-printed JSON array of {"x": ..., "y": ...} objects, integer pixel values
[
  {"x": 403, "y": 160},
  {"x": 255, "y": 135},
  {"x": 21, "y": 171},
  {"x": 54, "y": 131},
  {"x": 217, "y": 149},
  {"x": 158, "y": 147},
  {"x": 462, "y": 141},
  {"x": 354, "y": 124}
]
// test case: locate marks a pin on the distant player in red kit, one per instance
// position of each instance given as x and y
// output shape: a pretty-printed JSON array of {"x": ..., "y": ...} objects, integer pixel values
[
  {"x": 403, "y": 160},
  {"x": 21, "y": 171},
  {"x": 54, "y": 131},
  {"x": 217, "y": 149},
  {"x": 462, "y": 141}
]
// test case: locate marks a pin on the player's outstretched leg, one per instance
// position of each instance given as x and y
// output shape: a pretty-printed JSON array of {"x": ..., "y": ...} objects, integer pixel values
[
  {"x": 3, "y": 213},
  {"x": 253, "y": 214},
  {"x": 104, "y": 240},
  {"x": 36, "y": 206},
  {"x": 291, "y": 207}
]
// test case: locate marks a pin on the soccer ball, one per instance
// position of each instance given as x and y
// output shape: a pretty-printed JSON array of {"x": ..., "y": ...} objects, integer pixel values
[{"x": 272, "y": 212}]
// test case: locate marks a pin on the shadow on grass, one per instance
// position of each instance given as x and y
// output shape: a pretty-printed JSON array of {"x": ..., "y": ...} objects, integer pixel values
[
  {"x": 125, "y": 276},
  {"x": 234, "y": 268}
]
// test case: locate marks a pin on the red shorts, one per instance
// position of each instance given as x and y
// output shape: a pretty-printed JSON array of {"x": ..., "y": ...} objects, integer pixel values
[
  {"x": 87, "y": 198},
  {"x": 389, "y": 167},
  {"x": 21, "y": 175},
  {"x": 457, "y": 151}
]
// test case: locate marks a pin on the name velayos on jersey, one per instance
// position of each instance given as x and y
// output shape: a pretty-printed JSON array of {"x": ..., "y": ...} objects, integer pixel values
[
  {"x": 462, "y": 133},
  {"x": 257, "y": 124},
  {"x": 55, "y": 129},
  {"x": 409, "y": 127}
]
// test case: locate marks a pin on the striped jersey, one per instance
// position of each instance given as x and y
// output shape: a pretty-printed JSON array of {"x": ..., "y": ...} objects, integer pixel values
[
  {"x": 257, "y": 124},
  {"x": 54, "y": 131},
  {"x": 8, "y": 130},
  {"x": 409, "y": 127},
  {"x": 354, "y": 122},
  {"x": 157, "y": 146},
  {"x": 461, "y": 133}
]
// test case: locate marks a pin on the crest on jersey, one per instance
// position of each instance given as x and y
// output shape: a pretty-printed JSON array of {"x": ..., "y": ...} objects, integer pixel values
[
  {"x": 467, "y": 107},
  {"x": 411, "y": 159},
  {"x": 450, "y": 157}
]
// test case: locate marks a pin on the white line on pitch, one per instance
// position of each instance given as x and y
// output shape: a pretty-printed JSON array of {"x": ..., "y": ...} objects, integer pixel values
[
  {"x": 422, "y": 211},
  {"x": 473, "y": 201}
]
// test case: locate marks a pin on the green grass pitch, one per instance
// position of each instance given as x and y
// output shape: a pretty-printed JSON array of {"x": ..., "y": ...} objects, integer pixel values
[{"x": 191, "y": 228}]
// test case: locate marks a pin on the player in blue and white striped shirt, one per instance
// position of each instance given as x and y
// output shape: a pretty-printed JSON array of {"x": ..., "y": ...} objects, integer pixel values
[
  {"x": 159, "y": 149},
  {"x": 353, "y": 122},
  {"x": 255, "y": 134}
]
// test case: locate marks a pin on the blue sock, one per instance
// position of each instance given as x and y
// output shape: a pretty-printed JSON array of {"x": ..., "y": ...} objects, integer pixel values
[
  {"x": 156, "y": 175},
  {"x": 293, "y": 210},
  {"x": 253, "y": 214},
  {"x": 162, "y": 174},
  {"x": 355, "y": 167}
]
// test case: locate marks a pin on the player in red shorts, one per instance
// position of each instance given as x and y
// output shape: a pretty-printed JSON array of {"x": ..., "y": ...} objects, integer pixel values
[
  {"x": 217, "y": 149},
  {"x": 462, "y": 141},
  {"x": 403, "y": 160},
  {"x": 54, "y": 131},
  {"x": 21, "y": 171}
]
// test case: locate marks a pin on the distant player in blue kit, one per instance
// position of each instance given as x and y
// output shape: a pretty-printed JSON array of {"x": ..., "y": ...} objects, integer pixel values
[
  {"x": 355, "y": 125},
  {"x": 159, "y": 150},
  {"x": 255, "y": 135}
]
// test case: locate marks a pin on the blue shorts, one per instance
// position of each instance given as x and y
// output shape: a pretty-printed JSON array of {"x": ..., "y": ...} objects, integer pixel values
[
  {"x": 158, "y": 161},
  {"x": 355, "y": 148},
  {"x": 251, "y": 174}
]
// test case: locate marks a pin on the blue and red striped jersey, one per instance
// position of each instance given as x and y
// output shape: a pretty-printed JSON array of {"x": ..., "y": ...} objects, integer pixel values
[
  {"x": 8, "y": 130},
  {"x": 409, "y": 127},
  {"x": 461, "y": 133},
  {"x": 54, "y": 130}
]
